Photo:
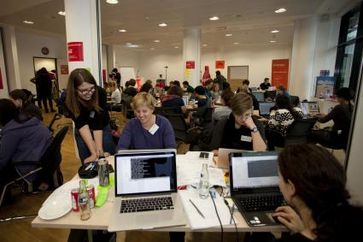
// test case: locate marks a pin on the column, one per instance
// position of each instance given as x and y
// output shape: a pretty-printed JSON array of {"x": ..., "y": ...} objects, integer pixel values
[
  {"x": 83, "y": 30},
  {"x": 191, "y": 56}
]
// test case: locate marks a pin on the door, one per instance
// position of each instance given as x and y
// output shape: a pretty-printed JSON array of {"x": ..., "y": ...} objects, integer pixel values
[{"x": 235, "y": 76}]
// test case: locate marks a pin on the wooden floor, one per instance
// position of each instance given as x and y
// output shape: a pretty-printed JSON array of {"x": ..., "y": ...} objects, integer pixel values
[{"x": 21, "y": 230}]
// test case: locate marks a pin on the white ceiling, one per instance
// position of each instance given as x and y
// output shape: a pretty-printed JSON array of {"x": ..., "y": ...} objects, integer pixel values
[{"x": 250, "y": 21}]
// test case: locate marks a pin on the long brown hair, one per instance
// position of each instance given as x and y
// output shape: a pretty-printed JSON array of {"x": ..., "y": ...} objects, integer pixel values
[{"x": 73, "y": 101}]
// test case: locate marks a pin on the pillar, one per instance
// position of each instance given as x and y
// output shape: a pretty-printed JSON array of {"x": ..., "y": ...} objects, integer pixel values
[{"x": 191, "y": 56}]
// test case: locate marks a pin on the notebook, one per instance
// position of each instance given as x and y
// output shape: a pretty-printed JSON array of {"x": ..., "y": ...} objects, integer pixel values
[
  {"x": 145, "y": 191},
  {"x": 254, "y": 186},
  {"x": 265, "y": 108},
  {"x": 310, "y": 109}
]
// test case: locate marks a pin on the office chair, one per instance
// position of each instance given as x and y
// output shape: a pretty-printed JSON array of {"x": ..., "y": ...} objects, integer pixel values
[
  {"x": 294, "y": 100},
  {"x": 49, "y": 166}
]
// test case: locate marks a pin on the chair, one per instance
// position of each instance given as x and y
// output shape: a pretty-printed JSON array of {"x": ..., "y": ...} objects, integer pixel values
[
  {"x": 179, "y": 126},
  {"x": 49, "y": 164},
  {"x": 294, "y": 100},
  {"x": 299, "y": 131}
]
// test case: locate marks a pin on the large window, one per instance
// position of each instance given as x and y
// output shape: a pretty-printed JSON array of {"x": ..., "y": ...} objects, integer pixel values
[{"x": 349, "y": 52}]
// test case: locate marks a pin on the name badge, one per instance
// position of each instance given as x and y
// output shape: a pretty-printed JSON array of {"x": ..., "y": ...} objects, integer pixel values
[
  {"x": 153, "y": 129},
  {"x": 92, "y": 114},
  {"x": 246, "y": 138}
]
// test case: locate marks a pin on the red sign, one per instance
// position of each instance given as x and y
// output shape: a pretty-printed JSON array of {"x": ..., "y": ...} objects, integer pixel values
[
  {"x": 75, "y": 51},
  {"x": 64, "y": 69},
  {"x": 190, "y": 65},
  {"x": 219, "y": 64},
  {"x": 280, "y": 73},
  {"x": 1, "y": 80}
]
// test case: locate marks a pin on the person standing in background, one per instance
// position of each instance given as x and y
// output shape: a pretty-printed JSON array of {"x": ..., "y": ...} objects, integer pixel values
[
  {"x": 221, "y": 80},
  {"x": 116, "y": 76},
  {"x": 43, "y": 84}
]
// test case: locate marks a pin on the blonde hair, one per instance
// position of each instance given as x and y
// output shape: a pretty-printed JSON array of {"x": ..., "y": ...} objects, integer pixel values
[
  {"x": 240, "y": 103},
  {"x": 141, "y": 99}
]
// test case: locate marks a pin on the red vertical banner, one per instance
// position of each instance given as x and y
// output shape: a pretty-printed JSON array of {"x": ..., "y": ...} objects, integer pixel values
[
  {"x": 190, "y": 65},
  {"x": 75, "y": 51},
  {"x": 1, "y": 80},
  {"x": 280, "y": 73},
  {"x": 219, "y": 64}
]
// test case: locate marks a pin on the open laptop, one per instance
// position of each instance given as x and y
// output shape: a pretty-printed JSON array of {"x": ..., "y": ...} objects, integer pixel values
[
  {"x": 265, "y": 107},
  {"x": 310, "y": 109},
  {"x": 145, "y": 191},
  {"x": 254, "y": 186},
  {"x": 259, "y": 96}
]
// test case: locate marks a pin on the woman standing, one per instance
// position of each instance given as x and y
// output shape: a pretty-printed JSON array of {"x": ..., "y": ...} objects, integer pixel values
[{"x": 87, "y": 106}]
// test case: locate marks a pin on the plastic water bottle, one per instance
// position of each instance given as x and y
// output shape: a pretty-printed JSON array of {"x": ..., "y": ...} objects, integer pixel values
[
  {"x": 83, "y": 199},
  {"x": 204, "y": 182}
]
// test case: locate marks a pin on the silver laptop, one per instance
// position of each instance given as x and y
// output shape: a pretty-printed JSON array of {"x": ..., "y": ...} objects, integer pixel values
[
  {"x": 145, "y": 191},
  {"x": 265, "y": 108}
]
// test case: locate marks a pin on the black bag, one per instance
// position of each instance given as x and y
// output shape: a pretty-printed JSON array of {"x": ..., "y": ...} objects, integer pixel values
[{"x": 88, "y": 170}]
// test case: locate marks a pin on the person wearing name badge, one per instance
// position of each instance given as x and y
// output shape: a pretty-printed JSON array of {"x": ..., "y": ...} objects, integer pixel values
[
  {"x": 241, "y": 130},
  {"x": 146, "y": 130}
]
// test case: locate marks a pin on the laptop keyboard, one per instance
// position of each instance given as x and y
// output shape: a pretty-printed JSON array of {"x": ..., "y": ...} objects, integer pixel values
[
  {"x": 261, "y": 203},
  {"x": 146, "y": 204}
]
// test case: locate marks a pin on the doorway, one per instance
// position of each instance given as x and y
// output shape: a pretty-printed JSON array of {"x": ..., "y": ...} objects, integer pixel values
[
  {"x": 235, "y": 75},
  {"x": 51, "y": 65}
]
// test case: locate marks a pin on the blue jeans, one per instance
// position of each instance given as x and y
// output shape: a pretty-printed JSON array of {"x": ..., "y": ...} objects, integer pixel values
[{"x": 108, "y": 144}]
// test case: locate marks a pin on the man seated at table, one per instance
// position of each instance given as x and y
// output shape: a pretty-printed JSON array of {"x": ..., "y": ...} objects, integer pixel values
[
  {"x": 265, "y": 84},
  {"x": 173, "y": 100}
]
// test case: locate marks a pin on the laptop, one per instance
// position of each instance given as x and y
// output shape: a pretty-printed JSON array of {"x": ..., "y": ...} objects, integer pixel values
[
  {"x": 259, "y": 96},
  {"x": 310, "y": 109},
  {"x": 254, "y": 186},
  {"x": 145, "y": 191},
  {"x": 222, "y": 160},
  {"x": 265, "y": 107}
]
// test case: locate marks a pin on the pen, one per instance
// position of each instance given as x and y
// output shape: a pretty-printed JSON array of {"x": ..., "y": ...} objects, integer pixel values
[{"x": 195, "y": 206}]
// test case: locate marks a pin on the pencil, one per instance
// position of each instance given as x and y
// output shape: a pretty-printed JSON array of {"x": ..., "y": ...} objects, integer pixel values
[{"x": 195, "y": 206}]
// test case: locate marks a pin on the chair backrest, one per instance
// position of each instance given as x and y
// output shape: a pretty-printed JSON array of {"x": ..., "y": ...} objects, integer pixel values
[
  {"x": 52, "y": 157},
  {"x": 179, "y": 126},
  {"x": 299, "y": 131},
  {"x": 294, "y": 100}
]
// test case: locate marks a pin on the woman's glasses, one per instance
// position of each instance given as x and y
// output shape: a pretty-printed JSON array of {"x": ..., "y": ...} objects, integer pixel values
[{"x": 87, "y": 91}]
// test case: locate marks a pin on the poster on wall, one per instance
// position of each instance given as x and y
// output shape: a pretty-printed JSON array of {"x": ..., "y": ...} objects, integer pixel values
[
  {"x": 190, "y": 64},
  {"x": 75, "y": 51},
  {"x": 280, "y": 73},
  {"x": 1, "y": 80},
  {"x": 220, "y": 64},
  {"x": 64, "y": 69},
  {"x": 324, "y": 87}
]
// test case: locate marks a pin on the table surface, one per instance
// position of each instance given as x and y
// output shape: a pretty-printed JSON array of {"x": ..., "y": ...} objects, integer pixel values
[{"x": 100, "y": 220}]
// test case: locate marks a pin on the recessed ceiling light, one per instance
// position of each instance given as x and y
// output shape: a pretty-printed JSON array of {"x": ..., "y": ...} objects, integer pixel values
[
  {"x": 130, "y": 45},
  {"x": 156, "y": 41},
  {"x": 163, "y": 24},
  {"x": 214, "y": 18},
  {"x": 280, "y": 10},
  {"x": 275, "y": 31},
  {"x": 205, "y": 45},
  {"x": 122, "y": 30},
  {"x": 272, "y": 41},
  {"x": 228, "y": 35},
  {"x": 63, "y": 13},
  {"x": 152, "y": 48},
  {"x": 176, "y": 47},
  {"x": 235, "y": 43},
  {"x": 28, "y": 22},
  {"x": 112, "y": 1}
]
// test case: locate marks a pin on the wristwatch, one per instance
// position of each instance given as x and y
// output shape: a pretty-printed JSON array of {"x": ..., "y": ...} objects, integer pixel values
[{"x": 254, "y": 130}]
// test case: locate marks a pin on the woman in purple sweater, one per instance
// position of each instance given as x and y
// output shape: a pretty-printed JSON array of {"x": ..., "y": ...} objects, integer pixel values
[{"x": 146, "y": 130}]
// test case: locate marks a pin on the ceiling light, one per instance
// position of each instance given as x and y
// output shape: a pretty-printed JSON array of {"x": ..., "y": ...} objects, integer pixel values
[
  {"x": 63, "y": 13},
  {"x": 112, "y": 1},
  {"x": 156, "y": 41},
  {"x": 130, "y": 45},
  {"x": 235, "y": 43},
  {"x": 275, "y": 31},
  {"x": 176, "y": 47},
  {"x": 280, "y": 10},
  {"x": 28, "y": 22},
  {"x": 214, "y": 18},
  {"x": 152, "y": 48},
  {"x": 122, "y": 30},
  {"x": 272, "y": 41},
  {"x": 163, "y": 25},
  {"x": 228, "y": 35},
  {"x": 205, "y": 45}
]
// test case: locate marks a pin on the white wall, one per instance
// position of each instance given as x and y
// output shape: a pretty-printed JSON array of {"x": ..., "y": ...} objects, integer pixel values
[{"x": 29, "y": 44}]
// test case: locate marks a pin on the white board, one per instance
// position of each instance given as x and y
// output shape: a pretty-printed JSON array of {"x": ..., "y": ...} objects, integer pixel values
[{"x": 127, "y": 73}]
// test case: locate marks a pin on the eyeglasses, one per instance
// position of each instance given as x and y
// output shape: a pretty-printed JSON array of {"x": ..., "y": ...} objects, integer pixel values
[{"x": 86, "y": 91}]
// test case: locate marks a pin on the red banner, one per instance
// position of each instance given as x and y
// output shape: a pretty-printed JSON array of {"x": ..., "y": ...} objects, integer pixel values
[
  {"x": 190, "y": 64},
  {"x": 219, "y": 64},
  {"x": 1, "y": 80},
  {"x": 75, "y": 51},
  {"x": 280, "y": 72}
]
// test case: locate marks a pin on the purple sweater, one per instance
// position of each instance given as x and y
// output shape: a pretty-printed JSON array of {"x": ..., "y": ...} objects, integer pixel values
[{"x": 134, "y": 136}]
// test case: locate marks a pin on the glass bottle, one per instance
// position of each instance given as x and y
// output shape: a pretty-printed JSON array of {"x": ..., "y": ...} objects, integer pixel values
[
  {"x": 204, "y": 182},
  {"x": 83, "y": 199}
]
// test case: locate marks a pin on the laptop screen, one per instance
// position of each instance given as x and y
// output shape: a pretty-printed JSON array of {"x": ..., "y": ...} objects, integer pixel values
[
  {"x": 253, "y": 170},
  {"x": 265, "y": 107},
  {"x": 141, "y": 173},
  {"x": 310, "y": 108},
  {"x": 259, "y": 96}
]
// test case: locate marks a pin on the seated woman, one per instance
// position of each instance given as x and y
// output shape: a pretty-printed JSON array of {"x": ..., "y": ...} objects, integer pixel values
[
  {"x": 341, "y": 115},
  {"x": 173, "y": 100},
  {"x": 146, "y": 130},
  {"x": 282, "y": 115},
  {"x": 23, "y": 139},
  {"x": 24, "y": 103},
  {"x": 313, "y": 184},
  {"x": 240, "y": 130}
]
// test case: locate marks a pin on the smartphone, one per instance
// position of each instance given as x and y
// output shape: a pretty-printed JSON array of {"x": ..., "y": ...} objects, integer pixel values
[{"x": 204, "y": 155}]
